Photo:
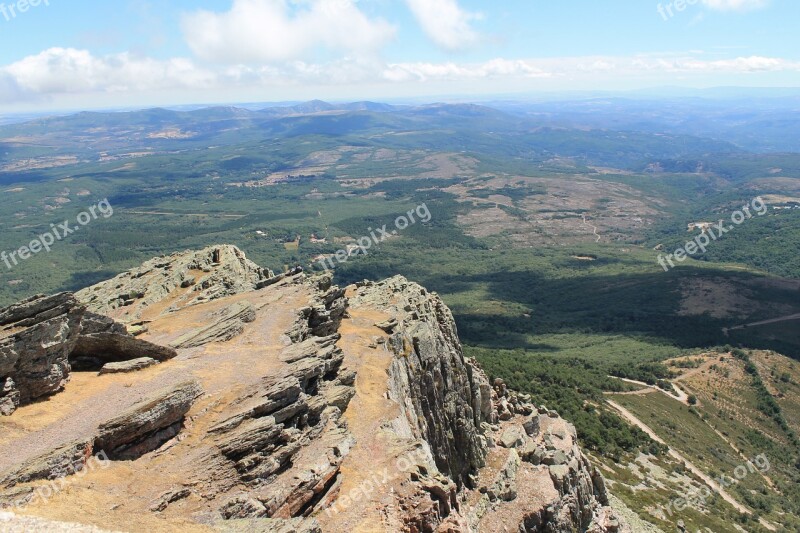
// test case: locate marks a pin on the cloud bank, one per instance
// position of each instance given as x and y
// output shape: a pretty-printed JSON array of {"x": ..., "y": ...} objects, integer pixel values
[
  {"x": 265, "y": 31},
  {"x": 262, "y": 44},
  {"x": 71, "y": 71}
]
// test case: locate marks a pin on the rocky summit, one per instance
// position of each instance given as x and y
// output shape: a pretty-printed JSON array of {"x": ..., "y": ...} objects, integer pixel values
[{"x": 201, "y": 392}]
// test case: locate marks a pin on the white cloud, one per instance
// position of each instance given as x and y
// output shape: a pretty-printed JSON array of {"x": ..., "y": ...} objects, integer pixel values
[
  {"x": 68, "y": 70},
  {"x": 265, "y": 31},
  {"x": 497, "y": 68},
  {"x": 739, "y": 64},
  {"x": 735, "y": 5},
  {"x": 445, "y": 22},
  {"x": 575, "y": 66},
  {"x": 58, "y": 72}
]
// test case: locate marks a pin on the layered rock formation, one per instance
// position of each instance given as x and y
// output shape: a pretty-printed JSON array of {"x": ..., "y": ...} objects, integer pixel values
[
  {"x": 229, "y": 324},
  {"x": 295, "y": 405},
  {"x": 205, "y": 275},
  {"x": 38, "y": 335},
  {"x": 148, "y": 424},
  {"x": 497, "y": 463},
  {"x": 44, "y": 337}
]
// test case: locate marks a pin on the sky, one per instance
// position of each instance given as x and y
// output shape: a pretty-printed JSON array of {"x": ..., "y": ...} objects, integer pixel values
[{"x": 92, "y": 54}]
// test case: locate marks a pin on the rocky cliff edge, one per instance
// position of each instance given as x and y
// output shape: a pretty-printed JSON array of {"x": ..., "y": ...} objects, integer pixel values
[{"x": 271, "y": 403}]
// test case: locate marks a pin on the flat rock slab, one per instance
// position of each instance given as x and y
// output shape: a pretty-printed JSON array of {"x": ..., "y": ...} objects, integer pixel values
[
  {"x": 224, "y": 326},
  {"x": 114, "y": 347},
  {"x": 141, "y": 429},
  {"x": 128, "y": 366}
]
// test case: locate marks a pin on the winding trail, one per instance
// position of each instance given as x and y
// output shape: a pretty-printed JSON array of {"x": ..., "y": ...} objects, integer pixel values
[
  {"x": 683, "y": 397},
  {"x": 594, "y": 228},
  {"x": 679, "y": 395},
  {"x": 713, "y": 485}
]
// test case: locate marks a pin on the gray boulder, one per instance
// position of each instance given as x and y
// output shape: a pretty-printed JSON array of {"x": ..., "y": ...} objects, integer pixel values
[
  {"x": 37, "y": 336},
  {"x": 128, "y": 366}
]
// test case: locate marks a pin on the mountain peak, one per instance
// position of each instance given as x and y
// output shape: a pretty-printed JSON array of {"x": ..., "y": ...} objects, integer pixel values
[{"x": 266, "y": 400}]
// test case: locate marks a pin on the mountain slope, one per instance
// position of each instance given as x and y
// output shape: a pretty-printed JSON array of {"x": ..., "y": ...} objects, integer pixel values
[{"x": 298, "y": 405}]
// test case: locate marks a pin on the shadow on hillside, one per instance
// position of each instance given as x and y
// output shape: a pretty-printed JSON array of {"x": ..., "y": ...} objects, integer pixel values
[
  {"x": 81, "y": 280},
  {"x": 645, "y": 305}
]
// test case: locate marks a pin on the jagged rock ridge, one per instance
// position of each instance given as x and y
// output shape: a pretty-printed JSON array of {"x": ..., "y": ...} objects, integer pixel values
[{"x": 295, "y": 405}]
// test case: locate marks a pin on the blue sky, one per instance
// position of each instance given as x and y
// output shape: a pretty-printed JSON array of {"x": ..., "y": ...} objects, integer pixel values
[{"x": 127, "y": 53}]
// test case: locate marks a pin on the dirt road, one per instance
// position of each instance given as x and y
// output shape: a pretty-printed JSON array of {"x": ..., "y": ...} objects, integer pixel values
[
  {"x": 795, "y": 316},
  {"x": 679, "y": 395},
  {"x": 713, "y": 485}
]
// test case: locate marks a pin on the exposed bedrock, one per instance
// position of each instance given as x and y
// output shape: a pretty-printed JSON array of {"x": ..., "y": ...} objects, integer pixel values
[
  {"x": 148, "y": 424},
  {"x": 209, "y": 274},
  {"x": 38, "y": 335},
  {"x": 102, "y": 348},
  {"x": 44, "y": 338},
  {"x": 224, "y": 326},
  {"x": 441, "y": 396},
  {"x": 141, "y": 429},
  {"x": 349, "y": 381},
  {"x": 286, "y": 437},
  {"x": 512, "y": 466}
]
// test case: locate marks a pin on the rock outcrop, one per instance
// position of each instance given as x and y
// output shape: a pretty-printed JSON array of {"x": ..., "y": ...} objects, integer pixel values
[
  {"x": 287, "y": 438},
  {"x": 103, "y": 340},
  {"x": 149, "y": 424},
  {"x": 439, "y": 392},
  {"x": 225, "y": 325},
  {"x": 205, "y": 275},
  {"x": 141, "y": 429},
  {"x": 102, "y": 348},
  {"x": 57, "y": 463},
  {"x": 500, "y": 463},
  {"x": 43, "y": 338},
  {"x": 290, "y": 404},
  {"x": 38, "y": 336}
]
